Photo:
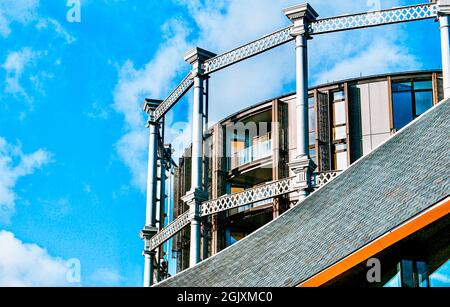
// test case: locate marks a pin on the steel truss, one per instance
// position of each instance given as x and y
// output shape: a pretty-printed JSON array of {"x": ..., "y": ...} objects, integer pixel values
[{"x": 320, "y": 26}]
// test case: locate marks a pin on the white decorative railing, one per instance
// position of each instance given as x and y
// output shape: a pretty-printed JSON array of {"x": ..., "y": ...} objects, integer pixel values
[
  {"x": 270, "y": 190},
  {"x": 322, "y": 178},
  {"x": 372, "y": 19},
  {"x": 257, "y": 195}
]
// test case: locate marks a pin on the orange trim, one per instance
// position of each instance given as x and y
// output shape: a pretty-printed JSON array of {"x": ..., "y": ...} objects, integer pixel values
[{"x": 431, "y": 215}]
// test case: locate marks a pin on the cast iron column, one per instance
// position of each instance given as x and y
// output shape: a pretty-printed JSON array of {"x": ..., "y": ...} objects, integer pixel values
[
  {"x": 302, "y": 165},
  {"x": 196, "y": 195}
]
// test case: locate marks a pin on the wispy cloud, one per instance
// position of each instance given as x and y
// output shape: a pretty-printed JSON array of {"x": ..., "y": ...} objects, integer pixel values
[
  {"x": 53, "y": 24},
  {"x": 16, "y": 11},
  {"x": 98, "y": 111},
  {"x": 105, "y": 277},
  {"x": 152, "y": 80},
  {"x": 14, "y": 66},
  {"x": 14, "y": 164}
]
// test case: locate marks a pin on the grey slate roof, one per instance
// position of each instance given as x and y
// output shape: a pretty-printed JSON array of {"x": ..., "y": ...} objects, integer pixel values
[{"x": 395, "y": 182}]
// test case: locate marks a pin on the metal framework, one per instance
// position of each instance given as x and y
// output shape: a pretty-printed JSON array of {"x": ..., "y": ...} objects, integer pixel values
[
  {"x": 250, "y": 196},
  {"x": 174, "y": 97},
  {"x": 305, "y": 24},
  {"x": 170, "y": 230},
  {"x": 283, "y": 36},
  {"x": 373, "y": 19}
]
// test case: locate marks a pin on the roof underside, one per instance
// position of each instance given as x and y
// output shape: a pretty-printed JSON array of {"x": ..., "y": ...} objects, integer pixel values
[{"x": 397, "y": 181}]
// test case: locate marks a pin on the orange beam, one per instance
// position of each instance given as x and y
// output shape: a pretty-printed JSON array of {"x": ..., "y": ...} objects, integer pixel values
[{"x": 424, "y": 219}]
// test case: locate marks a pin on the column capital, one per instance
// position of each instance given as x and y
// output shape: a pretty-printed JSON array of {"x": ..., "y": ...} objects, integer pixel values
[
  {"x": 149, "y": 107},
  {"x": 196, "y": 57},
  {"x": 194, "y": 200},
  {"x": 301, "y": 15},
  {"x": 443, "y": 7}
]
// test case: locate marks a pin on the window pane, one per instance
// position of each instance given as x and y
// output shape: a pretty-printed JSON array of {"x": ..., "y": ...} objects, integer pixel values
[
  {"x": 311, "y": 102},
  {"x": 339, "y": 113},
  {"x": 340, "y": 133},
  {"x": 341, "y": 160},
  {"x": 341, "y": 147},
  {"x": 312, "y": 124},
  {"x": 401, "y": 86},
  {"x": 423, "y": 85},
  {"x": 338, "y": 96},
  {"x": 424, "y": 102},
  {"x": 441, "y": 277},
  {"x": 312, "y": 138},
  {"x": 402, "y": 107}
]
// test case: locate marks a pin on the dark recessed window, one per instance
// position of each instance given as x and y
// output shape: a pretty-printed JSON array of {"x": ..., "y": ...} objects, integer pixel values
[{"x": 410, "y": 99}]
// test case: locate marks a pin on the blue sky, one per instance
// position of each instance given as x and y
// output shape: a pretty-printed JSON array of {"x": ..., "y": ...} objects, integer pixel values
[{"x": 72, "y": 133}]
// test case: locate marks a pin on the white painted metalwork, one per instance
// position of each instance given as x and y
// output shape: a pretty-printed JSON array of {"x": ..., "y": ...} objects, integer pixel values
[
  {"x": 174, "y": 97},
  {"x": 283, "y": 36},
  {"x": 372, "y": 19},
  {"x": 250, "y": 196},
  {"x": 321, "y": 179},
  {"x": 170, "y": 230},
  {"x": 247, "y": 51}
]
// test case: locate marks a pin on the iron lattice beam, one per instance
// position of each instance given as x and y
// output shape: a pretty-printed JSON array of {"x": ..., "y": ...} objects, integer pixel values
[
  {"x": 169, "y": 231},
  {"x": 373, "y": 19},
  {"x": 278, "y": 38},
  {"x": 247, "y": 51},
  {"x": 174, "y": 97}
]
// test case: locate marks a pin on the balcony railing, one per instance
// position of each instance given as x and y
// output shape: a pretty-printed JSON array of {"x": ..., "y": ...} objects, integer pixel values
[{"x": 250, "y": 154}]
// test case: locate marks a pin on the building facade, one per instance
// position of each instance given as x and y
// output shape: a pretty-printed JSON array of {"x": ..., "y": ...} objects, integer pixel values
[{"x": 347, "y": 120}]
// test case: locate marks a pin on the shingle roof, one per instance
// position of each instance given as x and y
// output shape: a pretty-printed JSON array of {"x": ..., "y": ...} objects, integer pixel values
[{"x": 401, "y": 178}]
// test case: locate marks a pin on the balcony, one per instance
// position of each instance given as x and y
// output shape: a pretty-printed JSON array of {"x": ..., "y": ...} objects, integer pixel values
[{"x": 261, "y": 148}]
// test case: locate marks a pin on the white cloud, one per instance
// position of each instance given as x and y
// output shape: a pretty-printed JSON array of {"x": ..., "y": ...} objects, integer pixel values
[
  {"x": 23, "y": 264},
  {"x": 19, "y": 11},
  {"x": 226, "y": 24},
  {"x": 153, "y": 80},
  {"x": 382, "y": 56},
  {"x": 14, "y": 164},
  {"x": 50, "y": 23},
  {"x": 14, "y": 65}
]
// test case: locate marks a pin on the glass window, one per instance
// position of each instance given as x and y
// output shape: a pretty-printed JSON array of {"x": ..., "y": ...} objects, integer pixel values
[
  {"x": 312, "y": 120},
  {"x": 339, "y": 115},
  {"x": 311, "y": 102},
  {"x": 340, "y": 133},
  {"x": 339, "y": 96},
  {"x": 312, "y": 154},
  {"x": 402, "y": 107},
  {"x": 340, "y": 160},
  {"x": 424, "y": 102},
  {"x": 401, "y": 86},
  {"x": 410, "y": 100},
  {"x": 312, "y": 139},
  {"x": 423, "y": 85}
]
